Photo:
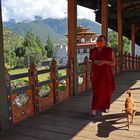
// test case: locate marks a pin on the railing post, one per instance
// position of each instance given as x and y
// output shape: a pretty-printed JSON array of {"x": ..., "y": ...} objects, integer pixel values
[
  {"x": 125, "y": 62},
  {"x": 133, "y": 62},
  {"x": 71, "y": 80},
  {"x": 69, "y": 84},
  {"x": 119, "y": 63},
  {"x": 86, "y": 71},
  {"x": 54, "y": 77},
  {"x": 88, "y": 74},
  {"x": 115, "y": 67},
  {"x": 139, "y": 63},
  {"x": 33, "y": 80},
  {"x": 136, "y": 62},
  {"x": 129, "y": 67}
]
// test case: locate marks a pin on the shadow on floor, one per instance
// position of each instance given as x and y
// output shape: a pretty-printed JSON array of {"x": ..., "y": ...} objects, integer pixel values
[{"x": 107, "y": 124}]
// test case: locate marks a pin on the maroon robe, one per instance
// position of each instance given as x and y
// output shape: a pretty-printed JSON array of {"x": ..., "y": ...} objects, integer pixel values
[{"x": 102, "y": 79}]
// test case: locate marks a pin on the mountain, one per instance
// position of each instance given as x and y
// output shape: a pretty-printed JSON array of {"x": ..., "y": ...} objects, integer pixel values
[
  {"x": 10, "y": 22},
  {"x": 93, "y": 26},
  {"x": 55, "y": 28},
  {"x": 38, "y": 28},
  {"x": 60, "y": 25}
]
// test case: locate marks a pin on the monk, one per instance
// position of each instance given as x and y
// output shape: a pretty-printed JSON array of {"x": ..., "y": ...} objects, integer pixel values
[{"x": 102, "y": 77}]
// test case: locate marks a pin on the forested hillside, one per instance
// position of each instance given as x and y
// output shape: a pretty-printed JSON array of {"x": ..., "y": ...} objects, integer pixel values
[{"x": 20, "y": 51}]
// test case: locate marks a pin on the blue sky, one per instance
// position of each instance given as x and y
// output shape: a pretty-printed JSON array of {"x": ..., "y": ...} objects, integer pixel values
[{"x": 27, "y": 9}]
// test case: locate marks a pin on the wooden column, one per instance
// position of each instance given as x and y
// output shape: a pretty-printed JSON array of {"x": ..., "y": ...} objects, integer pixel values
[
  {"x": 133, "y": 27},
  {"x": 104, "y": 17},
  {"x": 120, "y": 50},
  {"x": 72, "y": 44},
  {"x": 4, "y": 120}
]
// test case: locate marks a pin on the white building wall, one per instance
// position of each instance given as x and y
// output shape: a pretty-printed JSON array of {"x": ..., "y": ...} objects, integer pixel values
[
  {"x": 61, "y": 55},
  {"x": 137, "y": 49}
]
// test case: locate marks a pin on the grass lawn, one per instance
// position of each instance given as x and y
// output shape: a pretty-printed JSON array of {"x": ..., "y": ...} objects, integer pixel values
[
  {"x": 41, "y": 77},
  {"x": 18, "y": 71}
]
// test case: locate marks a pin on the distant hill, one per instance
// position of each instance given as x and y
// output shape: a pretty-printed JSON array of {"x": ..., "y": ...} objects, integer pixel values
[
  {"x": 60, "y": 25},
  {"x": 38, "y": 28},
  {"x": 93, "y": 26},
  {"x": 10, "y": 22},
  {"x": 55, "y": 28}
]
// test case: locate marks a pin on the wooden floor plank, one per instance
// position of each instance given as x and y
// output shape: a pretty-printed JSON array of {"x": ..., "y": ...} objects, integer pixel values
[{"x": 69, "y": 120}]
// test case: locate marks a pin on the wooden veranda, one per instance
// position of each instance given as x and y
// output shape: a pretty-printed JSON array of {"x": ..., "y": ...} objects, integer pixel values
[
  {"x": 51, "y": 118},
  {"x": 70, "y": 120}
]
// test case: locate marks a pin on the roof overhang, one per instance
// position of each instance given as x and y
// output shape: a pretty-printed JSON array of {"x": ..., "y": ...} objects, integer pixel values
[{"x": 130, "y": 15}]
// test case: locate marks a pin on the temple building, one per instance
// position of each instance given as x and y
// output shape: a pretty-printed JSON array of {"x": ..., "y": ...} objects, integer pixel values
[
  {"x": 85, "y": 41},
  {"x": 83, "y": 36}
]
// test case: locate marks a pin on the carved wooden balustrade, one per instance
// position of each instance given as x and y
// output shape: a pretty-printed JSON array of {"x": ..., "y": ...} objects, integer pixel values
[{"x": 25, "y": 100}]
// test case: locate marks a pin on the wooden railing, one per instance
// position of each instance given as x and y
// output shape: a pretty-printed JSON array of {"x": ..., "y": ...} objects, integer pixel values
[{"x": 37, "y": 96}]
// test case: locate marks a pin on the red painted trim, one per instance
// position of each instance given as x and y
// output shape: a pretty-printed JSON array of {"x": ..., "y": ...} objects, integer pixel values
[{"x": 86, "y": 44}]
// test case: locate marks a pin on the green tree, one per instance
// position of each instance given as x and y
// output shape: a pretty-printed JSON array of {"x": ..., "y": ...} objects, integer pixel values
[
  {"x": 11, "y": 41},
  {"x": 10, "y": 58},
  {"x": 41, "y": 46},
  {"x": 20, "y": 51},
  {"x": 49, "y": 47},
  {"x": 33, "y": 53},
  {"x": 126, "y": 45},
  {"x": 113, "y": 42}
]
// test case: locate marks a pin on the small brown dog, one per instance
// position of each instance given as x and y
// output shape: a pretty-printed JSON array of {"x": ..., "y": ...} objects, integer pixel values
[{"x": 130, "y": 108}]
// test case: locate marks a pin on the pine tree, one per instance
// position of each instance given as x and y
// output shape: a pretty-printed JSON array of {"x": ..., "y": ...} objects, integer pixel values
[
  {"x": 113, "y": 42},
  {"x": 34, "y": 53},
  {"x": 49, "y": 47}
]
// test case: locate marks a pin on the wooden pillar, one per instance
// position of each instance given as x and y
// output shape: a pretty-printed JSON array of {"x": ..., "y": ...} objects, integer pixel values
[
  {"x": 4, "y": 120},
  {"x": 120, "y": 43},
  {"x": 133, "y": 27},
  {"x": 72, "y": 44},
  {"x": 104, "y": 17}
]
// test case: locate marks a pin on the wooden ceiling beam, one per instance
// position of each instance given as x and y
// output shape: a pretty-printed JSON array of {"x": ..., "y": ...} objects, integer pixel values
[
  {"x": 125, "y": 23},
  {"x": 134, "y": 13},
  {"x": 88, "y": 3},
  {"x": 125, "y": 5},
  {"x": 132, "y": 7},
  {"x": 130, "y": 1},
  {"x": 134, "y": 19}
]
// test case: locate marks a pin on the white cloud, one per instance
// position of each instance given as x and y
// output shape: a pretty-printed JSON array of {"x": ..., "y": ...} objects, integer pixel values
[
  {"x": 83, "y": 12},
  {"x": 27, "y": 9}
]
